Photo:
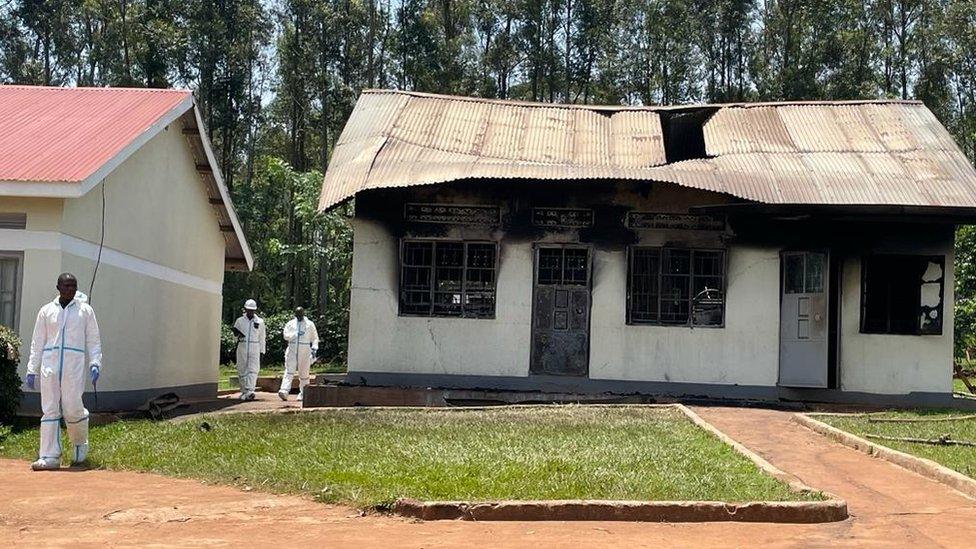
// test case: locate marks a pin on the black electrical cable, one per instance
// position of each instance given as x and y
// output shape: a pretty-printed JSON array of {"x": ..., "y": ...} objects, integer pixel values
[{"x": 101, "y": 243}]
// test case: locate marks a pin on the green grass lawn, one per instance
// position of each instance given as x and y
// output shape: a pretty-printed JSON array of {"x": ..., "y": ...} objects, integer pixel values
[
  {"x": 959, "y": 387},
  {"x": 959, "y": 458},
  {"x": 372, "y": 457},
  {"x": 228, "y": 370}
]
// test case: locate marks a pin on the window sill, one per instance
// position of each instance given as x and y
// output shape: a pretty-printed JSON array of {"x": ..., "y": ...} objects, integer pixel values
[
  {"x": 862, "y": 332},
  {"x": 686, "y": 326}
]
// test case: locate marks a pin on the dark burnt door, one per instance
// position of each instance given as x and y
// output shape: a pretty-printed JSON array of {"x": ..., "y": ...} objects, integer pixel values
[{"x": 561, "y": 311}]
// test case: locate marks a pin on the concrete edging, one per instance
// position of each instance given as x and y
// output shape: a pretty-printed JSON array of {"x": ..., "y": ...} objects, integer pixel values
[
  {"x": 801, "y": 512},
  {"x": 832, "y": 509},
  {"x": 922, "y": 466}
]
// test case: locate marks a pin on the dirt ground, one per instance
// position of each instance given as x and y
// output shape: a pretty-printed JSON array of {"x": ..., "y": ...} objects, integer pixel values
[{"x": 890, "y": 507}]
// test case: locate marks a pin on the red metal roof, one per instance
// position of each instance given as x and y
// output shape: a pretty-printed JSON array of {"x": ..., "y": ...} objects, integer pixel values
[{"x": 67, "y": 134}]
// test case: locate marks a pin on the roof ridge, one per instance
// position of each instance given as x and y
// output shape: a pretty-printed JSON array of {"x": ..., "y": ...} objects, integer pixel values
[
  {"x": 585, "y": 106},
  {"x": 95, "y": 88}
]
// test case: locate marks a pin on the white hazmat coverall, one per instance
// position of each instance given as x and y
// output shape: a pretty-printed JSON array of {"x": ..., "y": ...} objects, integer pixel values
[
  {"x": 63, "y": 336},
  {"x": 249, "y": 351},
  {"x": 303, "y": 342}
]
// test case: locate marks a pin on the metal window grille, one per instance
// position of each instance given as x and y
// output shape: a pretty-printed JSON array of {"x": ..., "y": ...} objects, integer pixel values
[
  {"x": 563, "y": 267},
  {"x": 448, "y": 278},
  {"x": 676, "y": 287}
]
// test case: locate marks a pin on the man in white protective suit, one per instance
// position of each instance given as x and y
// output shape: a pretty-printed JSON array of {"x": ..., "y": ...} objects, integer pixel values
[
  {"x": 302, "y": 341},
  {"x": 250, "y": 332},
  {"x": 65, "y": 335}
]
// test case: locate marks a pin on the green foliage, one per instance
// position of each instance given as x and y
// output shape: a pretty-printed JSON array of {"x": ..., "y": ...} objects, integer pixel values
[
  {"x": 304, "y": 257},
  {"x": 228, "y": 344},
  {"x": 10, "y": 382},
  {"x": 965, "y": 291},
  {"x": 370, "y": 457},
  {"x": 276, "y": 342}
]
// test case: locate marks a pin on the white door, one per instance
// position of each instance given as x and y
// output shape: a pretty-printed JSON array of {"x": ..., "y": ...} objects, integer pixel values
[{"x": 803, "y": 324}]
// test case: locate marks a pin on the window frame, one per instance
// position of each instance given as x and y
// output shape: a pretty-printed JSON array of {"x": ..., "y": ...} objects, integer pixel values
[
  {"x": 863, "y": 295},
  {"x": 538, "y": 247},
  {"x": 19, "y": 284},
  {"x": 433, "y": 271},
  {"x": 691, "y": 277}
]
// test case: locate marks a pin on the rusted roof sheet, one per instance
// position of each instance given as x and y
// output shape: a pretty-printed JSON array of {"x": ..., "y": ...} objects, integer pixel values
[{"x": 842, "y": 153}]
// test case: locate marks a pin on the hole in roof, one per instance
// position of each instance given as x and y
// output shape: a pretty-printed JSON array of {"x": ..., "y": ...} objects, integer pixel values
[{"x": 684, "y": 136}]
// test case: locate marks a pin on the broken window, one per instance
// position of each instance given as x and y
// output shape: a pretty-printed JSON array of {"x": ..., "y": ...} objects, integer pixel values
[
  {"x": 447, "y": 278},
  {"x": 902, "y": 294},
  {"x": 676, "y": 287}
]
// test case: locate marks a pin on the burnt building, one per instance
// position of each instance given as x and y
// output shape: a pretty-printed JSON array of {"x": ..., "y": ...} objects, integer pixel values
[{"x": 772, "y": 251}]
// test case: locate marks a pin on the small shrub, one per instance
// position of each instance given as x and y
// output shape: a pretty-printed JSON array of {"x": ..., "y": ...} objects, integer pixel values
[
  {"x": 228, "y": 345},
  {"x": 10, "y": 382}
]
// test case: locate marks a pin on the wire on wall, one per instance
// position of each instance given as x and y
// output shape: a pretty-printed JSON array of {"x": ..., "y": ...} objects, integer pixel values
[{"x": 101, "y": 243}]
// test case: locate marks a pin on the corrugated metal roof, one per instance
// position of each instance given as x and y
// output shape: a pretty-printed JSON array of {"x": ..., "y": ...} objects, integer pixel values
[
  {"x": 843, "y": 153},
  {"x": 66, "y": 134},
  {"x": 64, "y": 141}
]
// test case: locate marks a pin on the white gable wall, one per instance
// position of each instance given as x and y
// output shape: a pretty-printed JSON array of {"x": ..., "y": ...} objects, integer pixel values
[{"x": 157, "y": 292}]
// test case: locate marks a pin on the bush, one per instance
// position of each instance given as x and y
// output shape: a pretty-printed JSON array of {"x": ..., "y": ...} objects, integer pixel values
[
  {"x": 228, "y": 345},
  {"x": 10, "y": 382}
]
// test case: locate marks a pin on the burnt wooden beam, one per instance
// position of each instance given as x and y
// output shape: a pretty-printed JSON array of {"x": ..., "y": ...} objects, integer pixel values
[
  {"x": 217, "y": 201},
  {"x": 204, "y": 168},
  {"x": 191, "y": 131},
  {"x": 227, "y": 228}
]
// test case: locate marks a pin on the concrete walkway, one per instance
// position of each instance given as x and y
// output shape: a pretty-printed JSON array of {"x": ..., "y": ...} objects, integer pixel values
[
  {"x": 887, "y": 503},
  {"x": 891, "y": 507}
]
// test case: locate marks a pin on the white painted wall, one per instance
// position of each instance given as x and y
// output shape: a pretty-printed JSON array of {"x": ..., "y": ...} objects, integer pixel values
[
  {"x": 154, "y": 333},
  {"x": 743, "y": 352},
  {"x": 381, "y": 341},
  {"x": 896, "y": 364},
  {"x": 156, "y": 209}
]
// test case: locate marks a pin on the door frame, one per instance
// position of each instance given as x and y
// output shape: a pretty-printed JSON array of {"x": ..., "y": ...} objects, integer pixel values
[
  {"x": 536, "y": 246},
  {"x": 833, "y": 281}
]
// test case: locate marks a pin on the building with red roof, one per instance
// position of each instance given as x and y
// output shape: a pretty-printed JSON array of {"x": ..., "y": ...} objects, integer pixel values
[{"x": 121, "y": 188}]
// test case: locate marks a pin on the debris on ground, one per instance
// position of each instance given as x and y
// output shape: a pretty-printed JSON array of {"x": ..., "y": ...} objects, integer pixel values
[
  {"x": 918, "y": 419},
  {"x": 943, "y": 440}
]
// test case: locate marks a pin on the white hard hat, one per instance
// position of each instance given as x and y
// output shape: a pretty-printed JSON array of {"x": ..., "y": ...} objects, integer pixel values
[{"x": 250, "y": 305}]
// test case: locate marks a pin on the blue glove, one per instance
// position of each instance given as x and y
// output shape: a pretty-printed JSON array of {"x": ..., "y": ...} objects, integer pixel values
[
  {"x": 94, "y": 372},
  {"x": 31, "y": 381},
  {"x": 315, "y": 354}
]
